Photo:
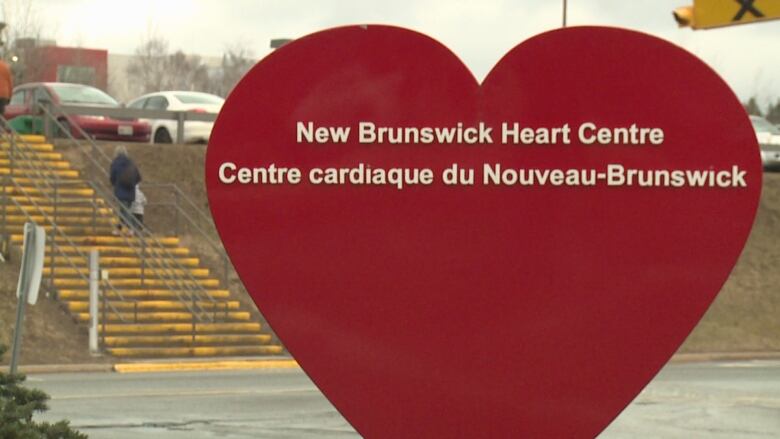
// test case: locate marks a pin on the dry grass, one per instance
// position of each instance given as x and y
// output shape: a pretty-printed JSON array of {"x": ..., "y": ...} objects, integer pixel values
[
  {"x": 50, "y": 336},
  {"x": 745, "y": 316}
]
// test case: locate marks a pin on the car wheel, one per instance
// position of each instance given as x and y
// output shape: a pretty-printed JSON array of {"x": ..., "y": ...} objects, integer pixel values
[{"x": 162, "y": 136}]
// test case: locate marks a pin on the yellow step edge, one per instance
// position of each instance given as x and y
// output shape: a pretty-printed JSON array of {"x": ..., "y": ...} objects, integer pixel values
[
  {"x": 33, "y": 157},
  {"x": 187, "y": 340},
  {"x": 120, "y": 261},
  {"x": 152, "y": 283},
  {"x": 65, "y": 201},
  {"x": 34, "y": 179},
  {"x": 185, "y": 328},
  {"x": 26, "y": 172},
  {"x": 113, "y": 273},
  {"x": 107, "y": 240},
  {"x": 32, "y": 138},
  {"x": 25, "y": 163},
  {"x": 71, "y": 294},
  {"x": 125, "y": 251},
  {"x": 33, "y": 190},
  {"x": 183, "y": 366},
  {"x": 29, "y": 145},
  {"x": 28, "y": 189},
  {"x": 156, "y": 305},
  {"x": 42, "y": 155},
  {"x": 198, "y": 351},
  {"x": 65, "y": 210},
  {"x": 60, "y": 220},
  {"x": 24, "y": 146},
  {"x": 161, "y": 316},
  {"x": 44, "y": 219},
  {"x": 72, "y": 231}
]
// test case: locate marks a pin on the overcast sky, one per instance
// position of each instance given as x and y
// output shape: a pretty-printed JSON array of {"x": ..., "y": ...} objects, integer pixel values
[{"x": 479, "y": 32}]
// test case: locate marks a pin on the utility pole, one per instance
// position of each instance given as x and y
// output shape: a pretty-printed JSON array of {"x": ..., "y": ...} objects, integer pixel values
[{"x": 564, "y": 13}]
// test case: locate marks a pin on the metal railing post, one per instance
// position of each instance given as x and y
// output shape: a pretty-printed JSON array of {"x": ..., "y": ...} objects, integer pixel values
[
  {"x": 94, "y": 212},
  {"x": 52, "y": 260},
  {"x": 94, "y": 282},
  {"x": 47, "y": 125},
  {"x": 180, "y": 127},
  {"x": 176, "y": 209},
  {"x": 93, "y": 165},
  {"x": 225, "y": 270},
  {"x": 143, "y": 261},
  {"x": 4, "y": 241},
  {"x": 6, "y": 244},
  {"x": 11, "y": 155},
  {"x": 192, "y": 296},
  {"x": 104, "y": 316}
]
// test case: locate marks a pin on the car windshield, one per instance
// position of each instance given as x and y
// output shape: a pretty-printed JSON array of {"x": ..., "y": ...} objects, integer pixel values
[
  {"x": 762, "y": 125},
  {"x": 82, "y": 94},
  {"x": 199, "y": 98}
]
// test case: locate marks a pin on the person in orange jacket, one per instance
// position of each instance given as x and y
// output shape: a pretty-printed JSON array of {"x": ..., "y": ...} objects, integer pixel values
[{"x": 6, "y": 85}]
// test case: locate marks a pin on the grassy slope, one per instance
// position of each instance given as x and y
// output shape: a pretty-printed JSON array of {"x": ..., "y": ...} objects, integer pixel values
[
  {"x": 746, "y": 314},
  {"x": 744, "y": 317},
  {"x": 49, "y": 336}
]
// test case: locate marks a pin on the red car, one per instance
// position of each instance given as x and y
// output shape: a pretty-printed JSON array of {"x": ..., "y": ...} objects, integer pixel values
[{"x": 98, "y": 127}]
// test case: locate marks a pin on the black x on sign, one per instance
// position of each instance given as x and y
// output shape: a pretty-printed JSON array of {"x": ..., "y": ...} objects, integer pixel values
[{"x": 747, "y": 6}]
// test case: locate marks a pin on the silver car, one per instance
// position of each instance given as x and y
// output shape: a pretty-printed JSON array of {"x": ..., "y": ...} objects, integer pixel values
[
  {"x": 769, "y": 140},
  {"x": 166, "y": 130}
]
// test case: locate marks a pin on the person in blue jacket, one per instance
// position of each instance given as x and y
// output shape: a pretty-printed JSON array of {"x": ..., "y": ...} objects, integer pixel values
[{"x": 124, "y": 177}]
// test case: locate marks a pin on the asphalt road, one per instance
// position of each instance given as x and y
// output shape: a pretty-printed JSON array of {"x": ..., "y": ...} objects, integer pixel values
[{"x": 709, "y": 400}]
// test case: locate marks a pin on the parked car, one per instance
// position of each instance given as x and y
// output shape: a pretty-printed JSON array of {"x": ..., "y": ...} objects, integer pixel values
[
  {"x": 26, "y": 96},
  {"x": 769, "y": 140},
  {"x": 165, "y": 130}
]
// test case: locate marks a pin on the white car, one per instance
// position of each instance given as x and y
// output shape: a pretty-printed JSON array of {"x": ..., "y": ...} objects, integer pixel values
[
  {"x": 165, "y": 130},
  {"x": 769, "y": 140}
]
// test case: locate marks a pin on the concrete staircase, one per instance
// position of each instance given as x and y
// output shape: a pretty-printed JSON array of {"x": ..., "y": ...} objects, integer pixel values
[{"x": 161, "y": 301}]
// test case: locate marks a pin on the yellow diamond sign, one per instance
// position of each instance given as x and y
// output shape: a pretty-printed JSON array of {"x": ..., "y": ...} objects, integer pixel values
[{"x": 706, "y": 14}]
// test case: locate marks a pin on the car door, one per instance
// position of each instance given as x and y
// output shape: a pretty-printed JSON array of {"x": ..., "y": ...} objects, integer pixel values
[
  {"x": 39, "y": 94},
  {"x": 19, "y": 104},
  {"x": 160, "y": 103},
  {"x": 138, "y": 104}
]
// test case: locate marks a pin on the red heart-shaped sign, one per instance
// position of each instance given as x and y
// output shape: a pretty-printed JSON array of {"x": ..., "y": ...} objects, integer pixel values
[{"x": 615, "y": 181}]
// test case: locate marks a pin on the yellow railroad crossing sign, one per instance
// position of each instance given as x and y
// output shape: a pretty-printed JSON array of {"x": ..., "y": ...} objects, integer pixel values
[{"x": 705, "y": 14}]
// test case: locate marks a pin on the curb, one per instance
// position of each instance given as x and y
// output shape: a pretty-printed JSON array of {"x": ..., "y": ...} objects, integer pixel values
[
  {"x": 186, "y": 366},
  {"x": 289, "y": 363},
  {"x": 723, "y": 356},
  {"x": 65, "y": 368}
]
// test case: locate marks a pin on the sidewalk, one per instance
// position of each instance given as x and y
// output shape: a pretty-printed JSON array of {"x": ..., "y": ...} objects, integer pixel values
[
  {"x": 167, "y": 365},
  {"x": 723, "y": 356},
  {"x": 287, "y": 362}
]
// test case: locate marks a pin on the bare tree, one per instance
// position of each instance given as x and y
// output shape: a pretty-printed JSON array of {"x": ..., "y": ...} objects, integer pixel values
[
  {"x": 146, "y": 72},
  {"x": 22, "y": 20},
  {"x": 773, "y": 112},
  {"x": 20, "y": 38},
  {"x": 153, "y": 68},
  {"x": 752, "y": 107},
  {"x": 236, "y": 61},
  {"x": 185, "y": 72}
]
